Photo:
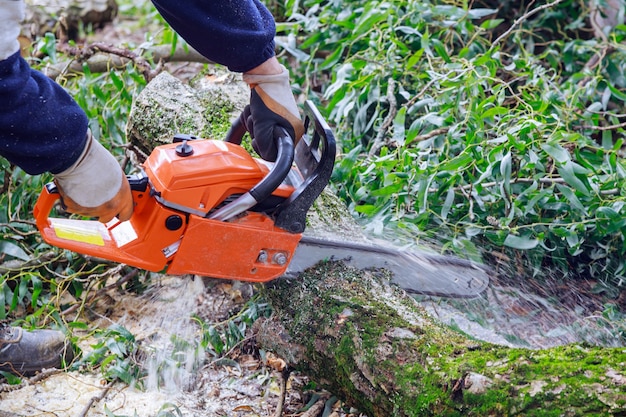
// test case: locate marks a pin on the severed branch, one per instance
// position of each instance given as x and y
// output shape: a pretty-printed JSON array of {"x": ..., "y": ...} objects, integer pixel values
[
  {"x": 96, "y": 399},
  {"x": 102, "y": 57}
]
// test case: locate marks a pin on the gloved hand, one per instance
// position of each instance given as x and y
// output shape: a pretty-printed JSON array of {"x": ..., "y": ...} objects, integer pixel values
[
  {"x": 271, "y": 104},
  {"x": 96, "y": 186},
  {"x": 11, "y": 14}
]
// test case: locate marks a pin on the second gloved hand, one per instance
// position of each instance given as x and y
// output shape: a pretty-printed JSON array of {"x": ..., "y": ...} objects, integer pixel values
[
  {"x": 271, "y": 104},
  {"x": 96, "y": 186}
]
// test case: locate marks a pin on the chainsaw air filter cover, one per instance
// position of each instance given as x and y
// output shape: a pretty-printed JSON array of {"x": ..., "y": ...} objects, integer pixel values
[{"x": 207, "y": 173}]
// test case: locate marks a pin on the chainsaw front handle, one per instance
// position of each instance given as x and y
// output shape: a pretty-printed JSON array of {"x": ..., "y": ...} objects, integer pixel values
[
  {"x": 237, "y": 131},
  {"x": 265, "y": 188}
]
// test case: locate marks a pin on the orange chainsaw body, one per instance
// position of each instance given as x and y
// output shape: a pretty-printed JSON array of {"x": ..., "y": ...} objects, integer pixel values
[{"x": 182, "y": 185}]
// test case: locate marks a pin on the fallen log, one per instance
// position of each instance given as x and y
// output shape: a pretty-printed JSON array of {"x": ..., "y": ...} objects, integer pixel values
[{"x": 373, "y": 346}]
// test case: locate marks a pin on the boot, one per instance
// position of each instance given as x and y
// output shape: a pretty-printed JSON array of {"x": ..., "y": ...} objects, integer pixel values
[{"x": 26, "y": 352}]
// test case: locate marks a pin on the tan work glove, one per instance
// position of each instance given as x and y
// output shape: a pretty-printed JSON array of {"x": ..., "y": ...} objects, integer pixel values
[
  {"x": 11, "y": 14},
  {"x": 271, "y": 104},
  {"x": 96, "y": 186}
]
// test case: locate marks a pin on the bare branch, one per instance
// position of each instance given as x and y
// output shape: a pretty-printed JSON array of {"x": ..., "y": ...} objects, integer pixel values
[
  {"x": 521, "y": 19},
  {"x": 100, "y": 57}
]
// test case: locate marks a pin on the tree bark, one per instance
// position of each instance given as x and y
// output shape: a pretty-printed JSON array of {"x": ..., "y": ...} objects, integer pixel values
[{"x": 374, "y": 346}]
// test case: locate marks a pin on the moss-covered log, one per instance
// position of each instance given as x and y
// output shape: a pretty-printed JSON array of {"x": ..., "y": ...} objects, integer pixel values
[{"x": 376, "y": 348}]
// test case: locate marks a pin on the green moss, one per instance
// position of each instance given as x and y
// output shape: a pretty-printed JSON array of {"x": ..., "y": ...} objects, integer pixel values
[{"x": 218, "y": 111}]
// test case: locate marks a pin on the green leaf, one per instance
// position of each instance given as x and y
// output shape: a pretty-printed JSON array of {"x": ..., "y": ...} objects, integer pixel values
[
  {"x": 414, "y": 59},
  {"x": 462, "y": 160},
  {"x": 10, "y": 378},
  {"x": 368, "y": 209},
  {"x": 398, "y": 127},
  {"x": 121, "y": 331},
  {"x": 332, "y": 59},
  {"x": 37, "y": 288},
  {"x": 567, "y": 173},
  {"x": 618, "y": 94},
  {"x": 557, "y": 152},
  {"x": 505, "y": 171},
  {"x": 368, "y": 20},
  {"x": 3, "y": 310},
  {"x": 440, "y": 49},
  {"x": 445, "y": 209},
  {"x": 215, "y": 340},
  {"x": 11, "y": 249},
  {"x": 491, "y": 24},
  {"x": 571, "y": 197},
  {"x": 520, "y": 242},
  {"x": 479, "y": 13},
  {"x": 495, "y": 111}
]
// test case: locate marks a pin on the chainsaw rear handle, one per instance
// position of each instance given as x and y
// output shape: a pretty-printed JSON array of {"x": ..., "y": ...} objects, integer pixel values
[
  {"x": 265, "y": 188},
  {"x": 46, "y": 201}
]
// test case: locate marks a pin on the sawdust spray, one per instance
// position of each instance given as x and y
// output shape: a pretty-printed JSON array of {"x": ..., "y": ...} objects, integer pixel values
[{"x": 171, "y": 336}]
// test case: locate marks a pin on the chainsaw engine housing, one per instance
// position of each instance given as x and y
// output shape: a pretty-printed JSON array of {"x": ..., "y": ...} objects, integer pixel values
[{"x": 204, "y": 207}]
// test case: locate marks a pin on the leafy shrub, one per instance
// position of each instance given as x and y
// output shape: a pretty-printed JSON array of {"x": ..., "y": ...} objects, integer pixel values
[{"x": 480, "y": 132}]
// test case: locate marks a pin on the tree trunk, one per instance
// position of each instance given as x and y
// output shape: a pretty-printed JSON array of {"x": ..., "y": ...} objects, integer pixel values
[{"x": 374, "y": 346}]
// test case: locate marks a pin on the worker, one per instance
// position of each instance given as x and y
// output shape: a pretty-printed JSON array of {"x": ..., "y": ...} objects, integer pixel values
[{"x": 42, "y": 129}]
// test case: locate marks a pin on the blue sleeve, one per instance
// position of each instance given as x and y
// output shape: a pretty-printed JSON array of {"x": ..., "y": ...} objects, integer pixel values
[
  {"x": 42, "y": 129},
  {"x": 236, "y": 33}
]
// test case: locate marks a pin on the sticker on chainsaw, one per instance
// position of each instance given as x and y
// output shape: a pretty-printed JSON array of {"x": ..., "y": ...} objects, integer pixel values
[
  {"x": 89, "y": 232},
  {"x": 123, "y": 233}
]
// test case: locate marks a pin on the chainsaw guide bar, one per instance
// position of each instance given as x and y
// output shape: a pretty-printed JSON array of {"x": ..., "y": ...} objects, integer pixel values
[
  {"x": 417, "y": 272},
  {"x": 207, "y": 207}
]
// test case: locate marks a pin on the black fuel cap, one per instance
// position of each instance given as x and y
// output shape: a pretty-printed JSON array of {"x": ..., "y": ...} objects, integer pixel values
[{"x": 184, "y": 149}]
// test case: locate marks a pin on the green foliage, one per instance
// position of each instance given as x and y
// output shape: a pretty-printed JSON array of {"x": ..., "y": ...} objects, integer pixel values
[
  {"x": 514, "y": 146},
  {"x": 114, "y": 354},
  {"x": 219, "y": 339},
  {"x": 106, "y": 98}
]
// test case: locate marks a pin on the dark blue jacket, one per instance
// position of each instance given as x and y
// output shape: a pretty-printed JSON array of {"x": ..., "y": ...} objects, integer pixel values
[{"x": 42, "y": 129}]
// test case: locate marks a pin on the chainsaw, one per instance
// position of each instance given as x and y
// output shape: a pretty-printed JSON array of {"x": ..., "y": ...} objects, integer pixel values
[{"x": 208, "y": 207}]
